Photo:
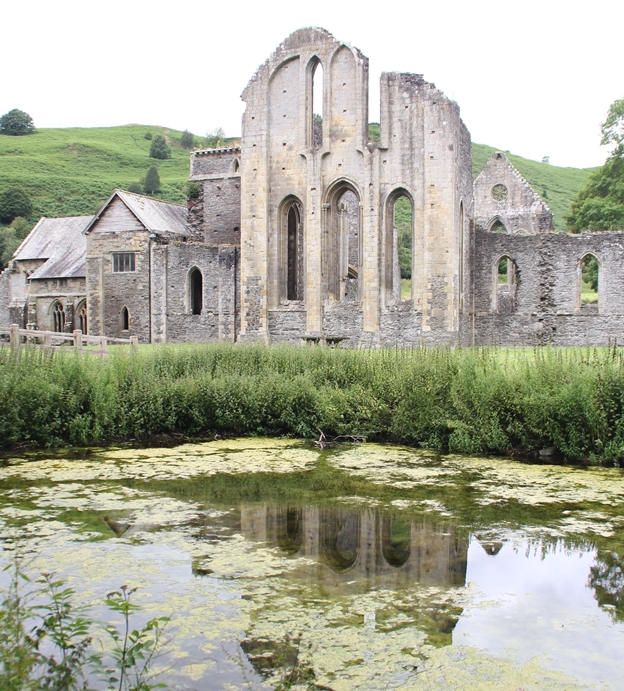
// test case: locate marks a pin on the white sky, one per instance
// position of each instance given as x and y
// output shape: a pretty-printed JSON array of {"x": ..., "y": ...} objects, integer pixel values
[{"x": 535, "y": 77}]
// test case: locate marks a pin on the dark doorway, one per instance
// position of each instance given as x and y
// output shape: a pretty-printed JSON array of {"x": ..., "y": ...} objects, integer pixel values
[{"x": 197, "y": 291}]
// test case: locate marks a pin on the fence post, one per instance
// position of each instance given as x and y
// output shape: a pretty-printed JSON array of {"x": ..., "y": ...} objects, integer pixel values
[
  {"x": 14, "y": 338},
  {"x": 47, "y": 340},
  {"x": 78, "y": 339},
  {"x": 134, "y": 341},
  {"x": 102, "y": 346}
]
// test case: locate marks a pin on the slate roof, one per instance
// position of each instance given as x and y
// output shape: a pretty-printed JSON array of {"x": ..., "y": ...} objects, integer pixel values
[
  {"x": 156, "y": 216},
  {"x": 59, "y": 241}
]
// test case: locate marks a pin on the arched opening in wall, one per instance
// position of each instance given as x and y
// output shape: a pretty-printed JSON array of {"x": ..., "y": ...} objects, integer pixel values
[
  {"x": 590, "y": 271},
  {"x": 196, "y": 287},
  {"x": 342, "y": 251},
  {"x": 498, "y": 227},
  {"x": 461, "y": 254},
  {"x": 291, "y": 274},
  {"x": 290, "y": 529},
  {"x": 506, "y": 285},
  {"x": 395, "y": 544},
  {"x": 315, "y": 100},
  {"x": 82, "y": 317},
  {"x": 398, "y": 247},
  {"x": 125, "y": 319},
  {"x": 340, "y": 538},
  {"x": 58, "y": 317},
  {"x": 236, "y": 165}
]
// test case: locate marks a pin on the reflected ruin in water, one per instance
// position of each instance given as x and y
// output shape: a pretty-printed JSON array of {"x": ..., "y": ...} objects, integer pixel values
[{"x": 363, "y": 567}]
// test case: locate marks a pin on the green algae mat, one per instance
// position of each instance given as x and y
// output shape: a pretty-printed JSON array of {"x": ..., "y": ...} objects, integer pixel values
[{"x": 368, "y": 566}]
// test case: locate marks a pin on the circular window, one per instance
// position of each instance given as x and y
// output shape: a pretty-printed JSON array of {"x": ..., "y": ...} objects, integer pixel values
[{"x": 499, "y": 192}]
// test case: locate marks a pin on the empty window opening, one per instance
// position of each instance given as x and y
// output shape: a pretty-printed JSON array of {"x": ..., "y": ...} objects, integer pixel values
[
  {"x": 402, "y": 248},
  {"x": 125, "y": 319},
  {"x": 123, "y": 262},
  {"x": 349, "y": 225},
  {"x": 58, "y": 314},
  {"x": 236, "y": 166},
  {"x": 461, "y": 255},
  {"x": 293, "y": 253},
  {"x": 589, "y": 281},
  {"x": 197, "y": 291},
  {"x": 82, "y": 318},
  {"x": 506, "y": 286},
  {"x": 317, "y": 104},
  {"x": 498, "y": 227}
]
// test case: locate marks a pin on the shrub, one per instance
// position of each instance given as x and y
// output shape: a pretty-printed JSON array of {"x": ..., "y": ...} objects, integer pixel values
[
  {"x": 135, "y": 188},
  {"x": 187, "y": 140},
  {"x": 193, "y": 190},
  {"x": 215, "y": 139},
  {"x": 148, "y": 136},
  {"x": 151, "y": 184},
  {"x": 16, "y": 122},
  {"x": 159, "y": 148},
  {"x": 14, "y": 202}
]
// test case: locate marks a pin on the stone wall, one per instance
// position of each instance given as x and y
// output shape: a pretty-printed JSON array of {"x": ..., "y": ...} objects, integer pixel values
[{"x": 548, "y": 306}]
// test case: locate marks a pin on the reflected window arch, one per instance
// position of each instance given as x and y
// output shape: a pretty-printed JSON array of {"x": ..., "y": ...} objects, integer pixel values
[
  {"x": 125, "y": 319},
  {"x": 82, "y": 319},
  {"x": 196, "y": 290},
  {"x": 58, "y": 317},
  {"x": 290, "y": 529},
  {"x": 396, "y": 538},
  {"x": 589, "y": 292},
  {"x": 340, "y": 538}
]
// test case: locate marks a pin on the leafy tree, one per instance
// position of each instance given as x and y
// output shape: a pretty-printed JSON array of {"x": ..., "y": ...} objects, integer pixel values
[
  {"x": 600, "y": 205},
  {"x": 16, "y": 122},
  {"x": 14, "y": 202},
  {"x": 159, "y": 148},
  {"x": 21, "y": 227},
  {"x": 135, "y": 188},
  {"x": 9, "y": 242},
  {"x": 151, "y": 184},
  {"x": 187, "y": 140},
  {"x": 215, "y": 139},
  {"x": 148, "y": 136},
  {"x": 590, "y": 272}
]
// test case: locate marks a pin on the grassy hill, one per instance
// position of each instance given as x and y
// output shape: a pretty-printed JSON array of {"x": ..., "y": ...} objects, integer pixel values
[
  {"x": 557, "y": 186},
  {"x": 72, "y": 171}
]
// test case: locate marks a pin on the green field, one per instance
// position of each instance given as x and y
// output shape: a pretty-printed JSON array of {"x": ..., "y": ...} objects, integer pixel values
[{"x": 72, "y": 171}]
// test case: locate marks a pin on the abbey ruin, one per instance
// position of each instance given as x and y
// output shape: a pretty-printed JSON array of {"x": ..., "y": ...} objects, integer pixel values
[{"x": 293, "y": 236}]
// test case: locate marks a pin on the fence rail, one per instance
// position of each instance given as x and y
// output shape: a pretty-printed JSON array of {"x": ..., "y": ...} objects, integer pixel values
[{"x": 49, "y": 340}]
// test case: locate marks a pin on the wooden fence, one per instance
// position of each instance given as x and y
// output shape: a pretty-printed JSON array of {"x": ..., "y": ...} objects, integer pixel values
[{"x": 50, "y": 340}]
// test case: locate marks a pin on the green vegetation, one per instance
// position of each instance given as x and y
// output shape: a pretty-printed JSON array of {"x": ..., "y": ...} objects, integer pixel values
[
  {"x": 465, "y": 400},
  {"x": 50, "y": 644},
  {"x": 11, "y": 237},
  {"x": 14, "y": 202},
  {"x": 152, "y": 184},
  {"x": 159, "y": 148},
  {"x": 557, "y": 186},
  {"x": 187, "y": 140},
  {"x": 600, "y": 204},
  {"x": 16, "y": 123},
  {"x": 403, "y": 223}
]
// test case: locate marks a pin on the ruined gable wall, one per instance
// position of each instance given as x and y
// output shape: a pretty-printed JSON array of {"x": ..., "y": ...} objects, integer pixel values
[
  {"x": 522, "y": 211},
  {"x": 548, "y": 285},
  {"x": 215, "y": 216}
]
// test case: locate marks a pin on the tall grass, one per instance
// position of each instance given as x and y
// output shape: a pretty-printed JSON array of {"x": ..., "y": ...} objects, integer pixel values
[{"x": 474, "y": 400}]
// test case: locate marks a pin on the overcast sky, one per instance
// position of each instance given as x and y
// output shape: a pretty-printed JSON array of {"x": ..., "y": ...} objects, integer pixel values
[{"x": 535, "y": 77}]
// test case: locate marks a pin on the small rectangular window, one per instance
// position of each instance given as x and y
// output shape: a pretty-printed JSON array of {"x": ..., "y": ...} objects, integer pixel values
[{"x": 123, "y": 261}]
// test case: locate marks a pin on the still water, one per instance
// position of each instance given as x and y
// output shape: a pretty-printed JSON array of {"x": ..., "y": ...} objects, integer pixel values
[{"x": 359, "y": 567}]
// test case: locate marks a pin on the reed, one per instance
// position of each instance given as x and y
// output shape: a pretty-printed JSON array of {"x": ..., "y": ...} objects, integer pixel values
[{"x": 472, "y": 400}]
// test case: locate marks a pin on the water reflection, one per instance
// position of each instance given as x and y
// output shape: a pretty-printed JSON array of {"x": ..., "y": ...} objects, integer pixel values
[{"x": 364, "y": 546}]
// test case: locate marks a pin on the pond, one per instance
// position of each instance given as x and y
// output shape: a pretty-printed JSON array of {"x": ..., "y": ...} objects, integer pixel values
[{"x": 363, "y": 566}]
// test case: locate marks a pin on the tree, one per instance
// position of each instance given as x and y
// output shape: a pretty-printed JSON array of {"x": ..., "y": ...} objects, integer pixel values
[
  {"x": 21, "y": 227},
  {"x": 193, "y": 190},
  {"x": 151, "y": 184},
  {"x": 16, "y": 122},
  {"x": 135, "y": 188},
  {"x": 187, "y": 140},
  {"x": 14, "y": 202},
  {"x": 9, "y": 242},
  {"x": 159, "y": 148},
  {"x": 215, "y": 139},
  {"x": 600, "y": 204}
]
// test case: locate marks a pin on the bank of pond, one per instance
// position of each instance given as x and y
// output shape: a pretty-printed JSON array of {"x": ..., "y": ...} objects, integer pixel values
[{"x": 566, "y": 403}]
